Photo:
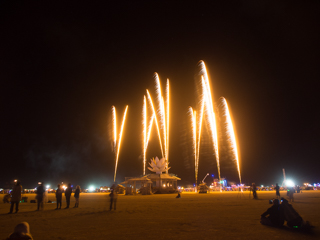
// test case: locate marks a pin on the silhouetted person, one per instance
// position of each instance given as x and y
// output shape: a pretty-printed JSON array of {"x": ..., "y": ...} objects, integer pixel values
[
  {"x": 113, "y": 199},
  {"x": 294, "y": 220},
  {"x": 40, "y": 191},
  {"x": 274, "y": 215},
  {"x": 6, "y": 198},
  {"x": 277, "y": 188},
  {"x": 68, "y": 194},
  {"x": 59, "y": 197},
  {"x": 21, "y": 231},
  {"x": 16, "y": 196},
  {"x": 290, "y": 193},
  {"x": 178, "y": 196},
  {"x": 254, "y": 191},
  {"x": 77, "y": 196}
]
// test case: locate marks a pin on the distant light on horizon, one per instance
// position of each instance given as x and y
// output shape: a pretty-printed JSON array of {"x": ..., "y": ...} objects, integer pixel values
[{"x": 289, "y": 183}]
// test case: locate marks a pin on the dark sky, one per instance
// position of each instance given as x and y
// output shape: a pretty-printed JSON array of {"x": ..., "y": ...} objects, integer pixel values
[{"x": 63, "y": 65}]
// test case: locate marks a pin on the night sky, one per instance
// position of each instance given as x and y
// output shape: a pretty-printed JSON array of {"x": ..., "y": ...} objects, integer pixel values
[{"x": 63, "y": 65}]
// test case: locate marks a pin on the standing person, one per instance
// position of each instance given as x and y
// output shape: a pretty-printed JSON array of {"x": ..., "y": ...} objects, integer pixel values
[
  {"x": 16, "y": 196},
  {"x": 40, "y": 191},
  {"x": 290, "y": 193},
  {"x": 76, "y": 196},
  {"x": 59, "y": 197},
  {"x": 113, "y": 199},
  {"x": 254, "y": 191},
  {"x": 277, "y": 188},
  {"x": 68, "y": 194}
]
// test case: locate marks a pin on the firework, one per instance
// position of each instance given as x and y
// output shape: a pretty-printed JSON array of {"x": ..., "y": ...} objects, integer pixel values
[
  {"x": 210, "y": 114},
  {"x": 230, "y": 133},
  {"x": 117, "y": 139},
  {"x": 160, "y": 116}
]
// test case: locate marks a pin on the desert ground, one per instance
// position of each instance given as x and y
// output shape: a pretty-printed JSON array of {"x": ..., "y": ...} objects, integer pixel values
[{"x": 226, "y": 215}]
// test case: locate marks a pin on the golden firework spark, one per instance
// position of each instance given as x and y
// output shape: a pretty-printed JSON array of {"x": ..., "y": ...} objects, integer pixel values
[
  {"x": 144, "y": 126},
  {"x": 230, "y": 133},
  {"x": 162, "y": 126},
  {"x": 194, "y": 141},
  {"x": 210, "y": 114},
  {"x": 156, "y": 120},
  {"x": 117, "y": 140}
]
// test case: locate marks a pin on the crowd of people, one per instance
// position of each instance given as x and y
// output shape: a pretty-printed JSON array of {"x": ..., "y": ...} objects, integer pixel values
[
  {"x": 41, "y": 196},
  {"x": 279, "y": 213}
]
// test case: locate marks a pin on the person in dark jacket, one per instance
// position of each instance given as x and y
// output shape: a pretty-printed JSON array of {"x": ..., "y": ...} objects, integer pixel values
[
  {"x": 277, "y": 188},
  {"x": 40, "y": 191},
  {"x": 113, "y": 199},
  {"x": 77, "y": 196},
  {"x": 16, "y": 196},
  {"x": 68, "y": 194},
  {"x": 294, "y": 220},
  {"x": 254, "y": 191},
  {"x": 59, "y": 197},
  {"x": 274, "y": 216}
]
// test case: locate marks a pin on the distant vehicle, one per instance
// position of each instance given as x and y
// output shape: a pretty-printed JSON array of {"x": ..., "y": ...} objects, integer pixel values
[{"x": 203, "y": 188}]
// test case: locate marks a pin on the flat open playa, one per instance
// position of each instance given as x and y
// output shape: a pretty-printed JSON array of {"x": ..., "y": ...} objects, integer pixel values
[{"x": 226, "y": 215}]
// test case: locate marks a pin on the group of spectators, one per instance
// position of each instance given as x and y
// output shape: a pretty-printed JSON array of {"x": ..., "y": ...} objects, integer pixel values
[
  {"x": 17, "y": 189},
  {"x": 59, "y": 191},
  {"x": 281, "y": 212}
]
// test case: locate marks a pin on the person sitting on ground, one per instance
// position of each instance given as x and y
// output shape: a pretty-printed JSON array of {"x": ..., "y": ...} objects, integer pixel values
[
  {"x": 274, "y": 215},
  {"x": 294, "y": 220},
  {"x": 21, "y": 232},
  {"x": 178, "y": 196}
]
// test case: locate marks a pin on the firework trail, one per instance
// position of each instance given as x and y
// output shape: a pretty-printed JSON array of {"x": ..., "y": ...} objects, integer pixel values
[
  {"x": 230, "y": 132},
  {"x": 210, "y": 114},
  {"x": 194, "y": 140},
  {"x": 156, "y": 120},
  {"x": 144, "y": 127},
  {"x": 117, "y": 141},
  {"x": 161, "y": 119},
  {"x": 114, "y": 122}
]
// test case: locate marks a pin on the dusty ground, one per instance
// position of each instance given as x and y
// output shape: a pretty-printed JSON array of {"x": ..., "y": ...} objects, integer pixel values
[{"x": 228, "y": 215}]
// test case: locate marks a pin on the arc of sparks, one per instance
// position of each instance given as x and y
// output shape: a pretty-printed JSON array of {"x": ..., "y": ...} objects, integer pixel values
[
  {"x": 146, "y": 132},
  {"x": 144, "y": 126},
  {"x": 156, "y": 121},
  {"x": 194, "y": 141},
  {"x": 207, "y": 98},
  {"x": 161, "y": 119},
  {"x": 167, "y": 120},
  {"x": 231, "y": 133},
  {"x": 114, "y": 122},
  {"x": 118, "y": 142}
]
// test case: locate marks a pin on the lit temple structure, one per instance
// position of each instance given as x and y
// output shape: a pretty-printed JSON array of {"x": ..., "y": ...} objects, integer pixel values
[
  {"x": 155, "y": 182},
  {"x": 151, "y": 183}
]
